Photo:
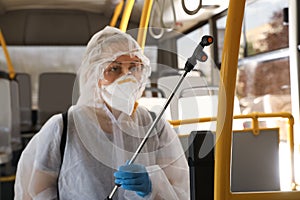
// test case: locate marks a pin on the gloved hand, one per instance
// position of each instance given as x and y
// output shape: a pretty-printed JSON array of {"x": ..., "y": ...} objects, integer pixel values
[{"x": 134, "y": 177}]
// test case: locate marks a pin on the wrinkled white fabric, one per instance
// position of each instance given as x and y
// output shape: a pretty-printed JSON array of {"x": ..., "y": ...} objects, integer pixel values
[
  {"x": 83, "y": 176},
  {"x": 99, "y": 140}
]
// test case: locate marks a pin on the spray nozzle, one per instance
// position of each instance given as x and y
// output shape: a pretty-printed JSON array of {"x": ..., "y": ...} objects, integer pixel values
[{"x": 198, "y": 54}]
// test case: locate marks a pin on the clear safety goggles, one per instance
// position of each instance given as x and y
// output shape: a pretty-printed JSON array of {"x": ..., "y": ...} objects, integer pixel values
[{"x": 116, "y": 69}]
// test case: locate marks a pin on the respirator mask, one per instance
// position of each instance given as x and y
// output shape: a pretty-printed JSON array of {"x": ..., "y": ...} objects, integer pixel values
[{"x": 122, "y": 93}]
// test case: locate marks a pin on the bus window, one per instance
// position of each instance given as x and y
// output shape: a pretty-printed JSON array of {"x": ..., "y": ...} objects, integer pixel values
[
  {"x": 258, "y": 81},
  {"x": 220, "y": 24},
  {"x": 264, "y": 28}
]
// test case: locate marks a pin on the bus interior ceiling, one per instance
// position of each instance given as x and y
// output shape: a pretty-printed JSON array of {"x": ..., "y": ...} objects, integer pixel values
[{"x": 64, "y": 22}]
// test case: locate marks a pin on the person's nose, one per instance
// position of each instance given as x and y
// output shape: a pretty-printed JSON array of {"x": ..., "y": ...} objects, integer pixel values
[{"x": 126, "y": 69}]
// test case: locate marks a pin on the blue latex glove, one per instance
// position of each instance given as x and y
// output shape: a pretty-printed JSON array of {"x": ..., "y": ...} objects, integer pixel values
[{"x": 134, "y": 177}]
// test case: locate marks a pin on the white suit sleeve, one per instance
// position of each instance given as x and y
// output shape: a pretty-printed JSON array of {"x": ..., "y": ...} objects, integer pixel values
[
  {"x": 39, "y": 164},
  {"x": 170, "y": 178}
]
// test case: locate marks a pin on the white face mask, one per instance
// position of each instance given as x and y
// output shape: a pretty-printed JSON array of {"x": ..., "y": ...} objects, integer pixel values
[{"x": 122, "y": 93}]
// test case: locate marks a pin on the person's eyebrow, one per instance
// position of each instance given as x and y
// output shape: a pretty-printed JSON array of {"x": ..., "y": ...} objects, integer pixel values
[
  {"x": 131, "y": 61},
  {"x": 116, "y": 62},
  {"x": 136, "y": 61}
]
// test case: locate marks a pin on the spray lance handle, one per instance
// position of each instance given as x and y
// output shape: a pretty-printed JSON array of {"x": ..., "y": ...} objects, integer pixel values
[{"x": 198, "y": 54}]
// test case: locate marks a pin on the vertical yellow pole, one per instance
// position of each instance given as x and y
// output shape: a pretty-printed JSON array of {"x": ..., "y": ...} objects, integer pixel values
[
  {"x": 117, "y": 13},
  {"x": 226, "y": 92},
  {"x": 126, "y": 15},
  {"x": 291, "y": 143},
  {"x": 141, "y": 38},
  {"x": 10, "y": 67}
]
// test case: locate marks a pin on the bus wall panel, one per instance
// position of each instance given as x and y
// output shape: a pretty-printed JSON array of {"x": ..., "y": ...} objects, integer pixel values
[
  {"x": 50, "y": 27},
  {"x": 57, "y": 28},
  {"x": 12, "y": 26}
]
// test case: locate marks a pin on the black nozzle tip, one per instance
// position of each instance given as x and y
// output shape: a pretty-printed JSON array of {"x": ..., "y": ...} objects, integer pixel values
[{"x": 207, "y": 40}]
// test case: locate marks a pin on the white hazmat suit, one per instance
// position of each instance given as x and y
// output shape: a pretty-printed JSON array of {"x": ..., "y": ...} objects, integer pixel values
[{"x": 99, "y": 141}]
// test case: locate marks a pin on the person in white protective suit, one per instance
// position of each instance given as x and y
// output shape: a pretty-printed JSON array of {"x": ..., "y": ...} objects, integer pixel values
[{"x": 105, "y": 128}]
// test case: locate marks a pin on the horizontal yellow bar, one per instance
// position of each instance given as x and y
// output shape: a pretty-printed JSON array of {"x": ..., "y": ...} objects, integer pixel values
[
  {"x": 251, "y": 115},
  {"x": 7, "y": 178},
  {"x": 191, "y": 121}
]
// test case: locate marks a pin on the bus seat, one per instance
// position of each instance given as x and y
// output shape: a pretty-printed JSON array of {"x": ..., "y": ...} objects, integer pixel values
[
  {"x": 193, "y": 72},
  {"x": 24, "y": 81},
  {"x": 55, "y": 94},
  {"x": 199, "y": 91},
  {"x": 16, "y": 138},
  {"x": 167, "y": 71},
  {"x": 155, "y": 104},
  {"x": 15, "y": 106},
  {"x": 154, "y": 92},
  {"x": 5, "y": 119},
  {"x": 167, "y": 84},
  {"x": 197, "y": 107},
  {"x": 202, "y": 107},
  {"x": 147, "y": 93},
  {"x": 201, "y": 164}
]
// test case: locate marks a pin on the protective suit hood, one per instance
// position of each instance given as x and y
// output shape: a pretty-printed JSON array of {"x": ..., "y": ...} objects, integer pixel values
[{"x": 103, "y": 48}]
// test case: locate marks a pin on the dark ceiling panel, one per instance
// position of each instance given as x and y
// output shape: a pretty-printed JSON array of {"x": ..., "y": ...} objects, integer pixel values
[
  {"x": 50, "y": 27},
  {"x": 57, "y": 28}
]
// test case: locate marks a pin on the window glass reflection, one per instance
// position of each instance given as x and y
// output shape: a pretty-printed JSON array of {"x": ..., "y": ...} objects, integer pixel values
[
  {"x": 260, "y": 82},
  {"x": 264, "y": 26}
]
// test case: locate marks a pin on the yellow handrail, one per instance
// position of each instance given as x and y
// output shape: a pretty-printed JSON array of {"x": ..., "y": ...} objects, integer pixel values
[
  {"x": 126, "y": 15},
  {"x": 117, "y": 13},
  {"x": 144, "y": 21},
  {"x": 11, "y": 70},
  {"x": 141, "y": 38},
  {"x": 255, "y": 128},
  {"x": 7, "y": 178}
]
